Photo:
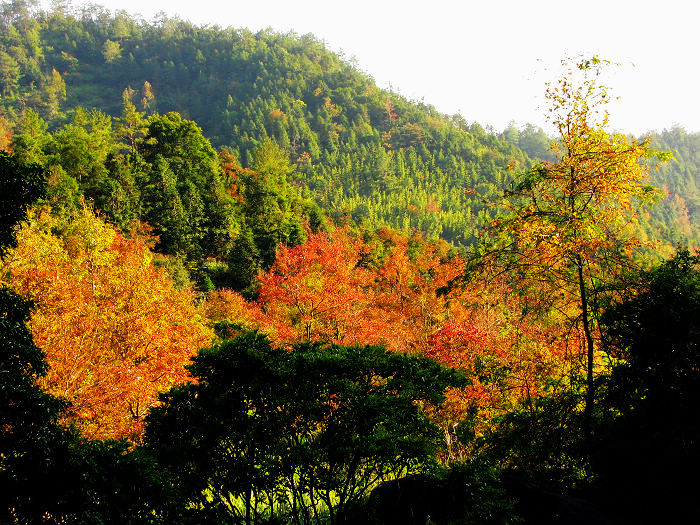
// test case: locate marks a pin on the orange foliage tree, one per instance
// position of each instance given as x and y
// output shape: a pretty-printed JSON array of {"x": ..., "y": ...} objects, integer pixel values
[
  {"x": 329, "y": 290},
  {"x": 408, "y": 284},
  {"x": 115, "y": 330},
  {"x": 231, "y": 313},
  {"x": 511, "y": 353}
]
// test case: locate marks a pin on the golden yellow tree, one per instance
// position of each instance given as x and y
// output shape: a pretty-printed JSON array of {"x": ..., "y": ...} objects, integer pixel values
[{"x": 570, "y": 229}]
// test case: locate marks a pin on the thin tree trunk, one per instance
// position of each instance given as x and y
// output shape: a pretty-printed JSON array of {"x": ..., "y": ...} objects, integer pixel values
[
  {"x": 248, "y": 495},
  {"x": 590, "y": 388}
]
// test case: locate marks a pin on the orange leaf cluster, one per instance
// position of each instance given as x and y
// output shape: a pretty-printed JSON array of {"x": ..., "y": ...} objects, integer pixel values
[
  {"x": 115, "y": 330},
  {"x": 317, "y": 291}
]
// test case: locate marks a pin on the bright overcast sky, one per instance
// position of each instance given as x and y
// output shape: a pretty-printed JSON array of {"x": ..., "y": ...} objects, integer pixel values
[{"x": 486, "y": 59}]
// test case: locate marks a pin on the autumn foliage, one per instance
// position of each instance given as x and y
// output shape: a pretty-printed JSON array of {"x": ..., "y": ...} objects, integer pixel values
[
  {"x": 115, "y": 330},
  {"x": 402, "y": 292}
]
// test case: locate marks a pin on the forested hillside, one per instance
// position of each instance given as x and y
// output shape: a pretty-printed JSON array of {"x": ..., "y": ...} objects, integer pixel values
[{"x": 358, "y": 151}]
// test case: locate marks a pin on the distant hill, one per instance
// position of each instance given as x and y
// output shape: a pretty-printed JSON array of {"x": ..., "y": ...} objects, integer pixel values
[{"x": 678, "y": 216}]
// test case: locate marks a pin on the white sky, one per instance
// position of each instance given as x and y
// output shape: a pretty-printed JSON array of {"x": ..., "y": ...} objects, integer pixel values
[{"x": 486, "y": 59}]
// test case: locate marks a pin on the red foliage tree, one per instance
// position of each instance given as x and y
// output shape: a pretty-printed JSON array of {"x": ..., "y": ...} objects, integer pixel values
[{"x": 317, "y": 291}]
